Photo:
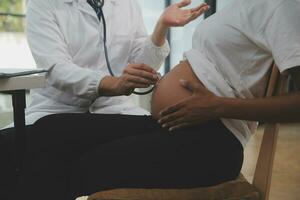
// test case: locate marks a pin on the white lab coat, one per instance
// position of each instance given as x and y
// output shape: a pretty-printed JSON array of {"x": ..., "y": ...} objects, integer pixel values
[{"x": 65, "y": 36}]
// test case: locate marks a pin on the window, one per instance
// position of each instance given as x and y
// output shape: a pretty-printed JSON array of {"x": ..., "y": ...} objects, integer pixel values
[
  {"x": 151, "y": 12},
  {"x": 14, "y": 49},
  {"x": 181, "y": 38}
]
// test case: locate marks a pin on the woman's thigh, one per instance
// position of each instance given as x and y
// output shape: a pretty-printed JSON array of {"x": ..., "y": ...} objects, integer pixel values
[
  {"x": 201, "y": 156},
  {"x": 58, "y": 140},
  {"x": 79, "y": 131}
]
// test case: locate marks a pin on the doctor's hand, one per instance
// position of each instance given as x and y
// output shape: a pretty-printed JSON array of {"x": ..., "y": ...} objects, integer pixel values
[
  {"x": 175, "y": 16},
  {"x": 196, "y": 109},
  {"x": 134, "y": 76}
]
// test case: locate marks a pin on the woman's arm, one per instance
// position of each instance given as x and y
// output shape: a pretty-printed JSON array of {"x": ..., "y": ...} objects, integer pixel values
[
  {"x": 203, "y": 106},
  {"x": 285, "y": 108},
  {"x": 273, "y": 109}
]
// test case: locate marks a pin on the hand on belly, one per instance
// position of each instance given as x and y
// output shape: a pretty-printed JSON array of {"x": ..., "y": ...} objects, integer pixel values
[
  {"x": 185, "y": 103},
  {"x": 169, "y": 91}
]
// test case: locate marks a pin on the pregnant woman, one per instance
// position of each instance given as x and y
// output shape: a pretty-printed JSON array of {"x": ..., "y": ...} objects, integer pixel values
[{"x": 207, "y": 107}]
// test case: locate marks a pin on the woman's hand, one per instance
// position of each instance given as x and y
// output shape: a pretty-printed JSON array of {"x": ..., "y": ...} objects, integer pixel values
[
  {"x": 175, "y": 16},
  {"x": 134, "y": 76},
  {"x": 196, "y": 109}
]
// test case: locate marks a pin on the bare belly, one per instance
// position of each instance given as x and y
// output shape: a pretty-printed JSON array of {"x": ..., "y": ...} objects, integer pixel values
[{"x": 169, "y": 91}]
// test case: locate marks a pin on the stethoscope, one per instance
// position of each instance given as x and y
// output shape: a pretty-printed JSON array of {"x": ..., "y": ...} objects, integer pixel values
[{"x": 97, "y": 5}]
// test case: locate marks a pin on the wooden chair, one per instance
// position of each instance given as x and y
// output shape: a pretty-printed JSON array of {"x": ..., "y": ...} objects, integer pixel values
[
  {"x": 239, "y": 189},
  {"x": 264, "y": 167}
]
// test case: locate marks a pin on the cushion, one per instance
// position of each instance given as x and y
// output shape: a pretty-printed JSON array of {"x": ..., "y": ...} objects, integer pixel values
[{"x": 239, "y": 189}]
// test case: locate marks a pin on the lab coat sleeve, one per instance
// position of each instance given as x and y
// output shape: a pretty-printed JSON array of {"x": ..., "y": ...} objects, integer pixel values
[
  {"x": 50, "y": 51},
  {"x": 282, "y": 34},
  {"x": 144, "y": 50}
]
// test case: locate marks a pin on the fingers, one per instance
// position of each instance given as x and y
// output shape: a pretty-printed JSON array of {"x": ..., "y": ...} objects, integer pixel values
[
  {"x": 137, "y": 85},
  {"x": 172, "y": 109},
  {"x": 138, "y": 80},
  {"x": 142, "y": 71},
  {"x": 171, "y": 117},
  {"x": 202, "y": 7},
  {"x": 198, "y": 11},
  {"x": 143, "y": 75},
  {"x": 198, "y": 14},
  {"x": 178, "y": 121},
  {"x": 136, "y": 76},
  {"x": 143, "y": 67},
  {"x": 184, "y": 3},
  {"x": 180, "y": 126},
  {"x": 132, "y": 85}
]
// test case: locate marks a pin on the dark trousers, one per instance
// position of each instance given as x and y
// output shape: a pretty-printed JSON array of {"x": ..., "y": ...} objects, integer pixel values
[{"x": 70, "y": 155}]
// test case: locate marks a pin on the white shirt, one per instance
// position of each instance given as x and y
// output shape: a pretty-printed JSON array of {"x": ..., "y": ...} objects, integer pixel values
[
  {"x": 234, "y": 49},
  {"x": 66, "y": 37}
]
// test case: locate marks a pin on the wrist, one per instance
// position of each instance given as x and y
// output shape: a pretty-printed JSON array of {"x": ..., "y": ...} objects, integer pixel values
[
  {"x": 220, "y": 104},
  {"x": 107, "y": 86},
  {"x": 160, "y": 32},
  {"x": 162, "y": 26}
]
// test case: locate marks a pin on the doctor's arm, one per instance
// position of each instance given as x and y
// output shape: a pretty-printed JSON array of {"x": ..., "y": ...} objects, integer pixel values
[
  {"x": 203, "y": 106},
  {"x": 50, "y": 51},
  {"x": 176, "y": 16},
  {"x": 153, "y": 50}
]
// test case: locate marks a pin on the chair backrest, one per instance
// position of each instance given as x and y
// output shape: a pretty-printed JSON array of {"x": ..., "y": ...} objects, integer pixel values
[{"x": 264, "y": 167}]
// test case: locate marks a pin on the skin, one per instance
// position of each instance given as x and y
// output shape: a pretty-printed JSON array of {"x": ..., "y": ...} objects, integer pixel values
[
  {"x": 203, "y": 106},
  {"x": 140, "y": 75}
]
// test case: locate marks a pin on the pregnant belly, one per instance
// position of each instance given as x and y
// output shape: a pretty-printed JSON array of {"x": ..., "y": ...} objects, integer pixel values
[{"x": 169, "y": 91}]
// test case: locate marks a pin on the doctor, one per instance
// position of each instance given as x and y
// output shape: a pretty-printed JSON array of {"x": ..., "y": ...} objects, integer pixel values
[{"x": 65, "y": 119}]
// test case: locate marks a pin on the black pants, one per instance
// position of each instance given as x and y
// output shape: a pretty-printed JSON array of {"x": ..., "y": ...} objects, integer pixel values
[{"x": 71, "y": 155}]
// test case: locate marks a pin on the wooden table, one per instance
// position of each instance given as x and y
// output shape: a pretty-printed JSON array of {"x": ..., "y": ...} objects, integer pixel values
[{"x": 17, "y": 86}]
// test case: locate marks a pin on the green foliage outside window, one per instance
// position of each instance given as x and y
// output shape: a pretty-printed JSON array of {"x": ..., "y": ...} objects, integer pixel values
[{"x": 9, "y": 23}]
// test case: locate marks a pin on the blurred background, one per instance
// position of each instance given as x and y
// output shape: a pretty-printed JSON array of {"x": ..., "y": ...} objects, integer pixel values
[{"x": 14, "y": 52}]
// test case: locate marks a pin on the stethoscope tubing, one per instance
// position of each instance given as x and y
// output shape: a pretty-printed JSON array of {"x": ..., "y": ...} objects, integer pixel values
[{"x": 99, "y": 8}]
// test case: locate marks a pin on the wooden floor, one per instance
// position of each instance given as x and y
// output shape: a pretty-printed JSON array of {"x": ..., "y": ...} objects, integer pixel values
[{"x": 286, "y": 174}]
